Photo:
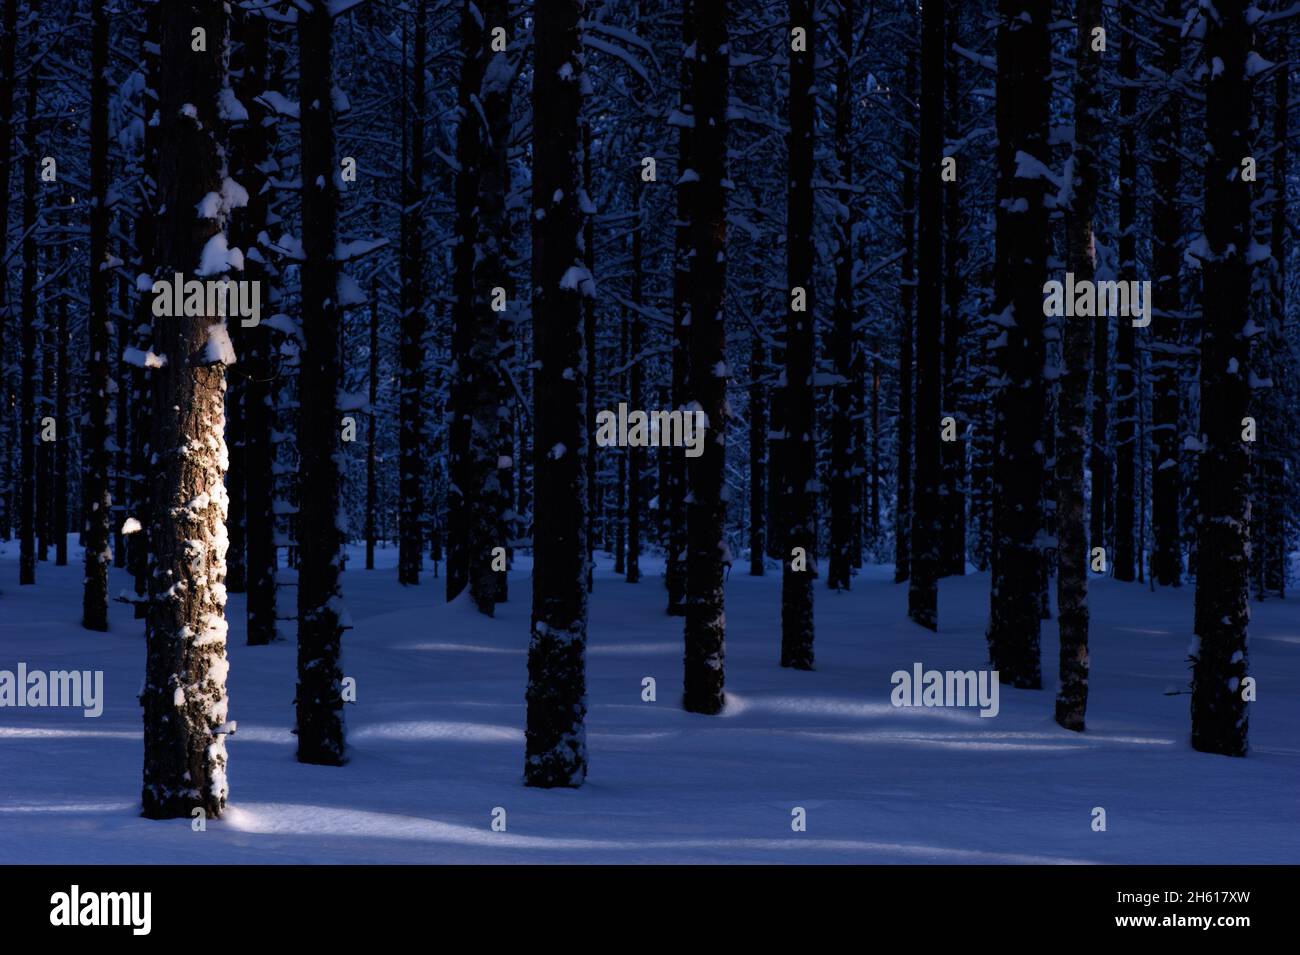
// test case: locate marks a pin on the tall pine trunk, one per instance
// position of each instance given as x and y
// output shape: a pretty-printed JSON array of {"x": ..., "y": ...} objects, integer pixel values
[
  {"x": 372, "y": 398},
  {"x": 687, "y": 190},
  {"x": 255, "y": 147},
  {"x": 61, "y": 415},
  {"x": 757, "y": 457},
  {"x": 952, "y": 545},
  {"x": 95, "y": 454},
  {"x": 846, "y": 509},
  {"x": 1219, "y": 665},
  {"x": 8, "y": 49},
  {"x": 27, "y": 386},
  {"x": 411, "y": 303},
  {"x": 907, "y": 300},
  {"x": 922, "y": 593},
  {"x": 142, "y": 464},
  {"x": 1072, "y": 409},
  {"x": 1023, "y": 53},
  {"x": 1166, "y": 321},
  {"x": 1126, "y": 555},
  {"x": 491, "y": 464},
  {"x": 466, "y": 377},
  {"x": 184, "y": 693},
  {"x": 798, "y": 476},
  {"x": 555, "y": 737},
  {"x": 707, "y": 554},
  {"x": 636, "y": 389},
  {"x": 320, "y": 538}
]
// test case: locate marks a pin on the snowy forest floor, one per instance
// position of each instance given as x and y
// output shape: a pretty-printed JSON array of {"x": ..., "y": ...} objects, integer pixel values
[{"x": 436, "y": 738}]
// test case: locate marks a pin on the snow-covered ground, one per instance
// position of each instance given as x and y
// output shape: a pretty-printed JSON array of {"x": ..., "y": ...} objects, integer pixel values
[{"x": 437, "y": 742}]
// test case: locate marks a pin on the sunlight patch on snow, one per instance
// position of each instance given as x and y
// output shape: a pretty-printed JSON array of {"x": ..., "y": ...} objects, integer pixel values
[
  {"x": 303, "y": 820},
  {"x": 458, "y": 648},
  {"x": 826, "y": 706},
  {"x": 41, "y": 732},
  {"x": 425, "y": 730},
  {"x": 68, "y": 807},
  {"x": 631, "y": 649}
]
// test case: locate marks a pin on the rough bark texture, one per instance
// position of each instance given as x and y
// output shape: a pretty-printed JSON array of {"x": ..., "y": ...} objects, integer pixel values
[
  {"x": 60, "y": 516},
  {"x": 952, "y": 491},
  {"x": 184, "y": 693},
  {"x": 798, "y": 476},
  {"x": 8, "y": 49},
  {"x": 757, "y": 456},
  {"x": 465, "y": 377},
  {"x": 95, "y": 455},
  {"x": 1219, "y": 664},
  {"x": 255, "y": 145},
  {"x": 410, "y": 534},
  {"x": 636, "y": 386},
  {"x": 142, "y": 465},
  {"x": 372, "y": 397},
  {"x": 686, "y": 198},
  {"x": 490, "y": 467},
  {"x": 707, "y": 556},
  {"x": 1019, "y": 407},
  {"x": 907, "y": 299},
  {"x": 922, "y": 592},
  {"x": 1076, "y": 352},
  {"x": 1166, "y": 321},
  {"x": 555, "y": 737},
  {"x": 1124, "y": 557},
  {"x": 320, "y": 536},
  {"x": 28, "y": 320},
  {"x": 846, "y": 509}
]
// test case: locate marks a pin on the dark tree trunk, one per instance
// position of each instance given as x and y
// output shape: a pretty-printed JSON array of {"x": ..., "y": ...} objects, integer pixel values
[
  {"x": 907, "y": 298},
  {"x": 682, "y": 250},
  {"x": 1272, "y": 543},
  {"x": 184, "y": 693},
  {"x": 1100, "y": 463},
  {"x": 757, "y": 445},
  {"x": 45, "y": 394},
  {"x": 799, "y": 528},
  {"x": 1219, "y": 664},
  {"x": 952, "y": 500},
  {"x": 27, "y": 386},
  {"x": 256, "y": 139},
  {"x": 122, "y": 389},
  {"x": 846, "y": 505},
  {"x": 1166, "y": 321},
  {"x": 8, "y": 47},
  {"x": 620, "y": 482},
  {"x": 555, "y": 739},
  {"x": 61, "y": 415},
  {"x": 1077, "y": 344},
  {"x": 487, "y": 504},
  {"x": 635, "y": 455},
  {"x": 595, "y": 505},
  {"x": 1124, "y": 556},
  {"x": 494, "y": 450},
  {"x": 372, "y": 398},
  {"x": 927, "y": 511},
  {"x": 320, "y": 540},
  {"x": 411, "y": 303},
  {"x": 1023, "y": 50},
  {"x": 466, "y": 378},
  {"x": 95, "y": 439},
  {"x": 875, "y": 453},
  {"x": 707, "y": 372},
  {"x": 142, "y": 464}
]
